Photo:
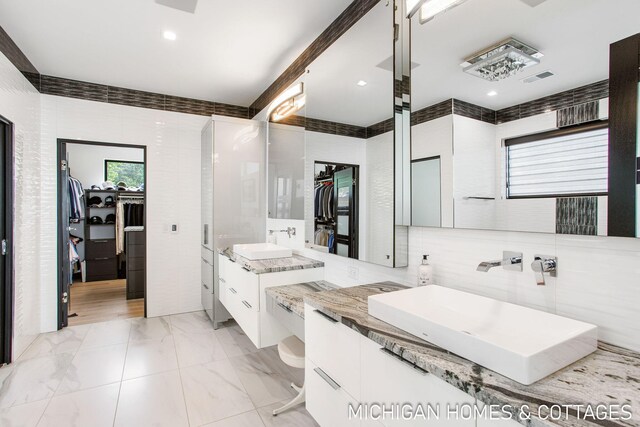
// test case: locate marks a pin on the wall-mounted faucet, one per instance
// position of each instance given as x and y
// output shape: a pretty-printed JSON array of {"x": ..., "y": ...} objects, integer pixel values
[
  {"x": 291, "y": 231},
  {"x": 544, "y": 264},
  {"x": 510, "y": 261}
]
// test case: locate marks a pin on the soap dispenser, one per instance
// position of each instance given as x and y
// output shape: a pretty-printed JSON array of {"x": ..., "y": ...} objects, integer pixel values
[{"x": 424, "y": 272}]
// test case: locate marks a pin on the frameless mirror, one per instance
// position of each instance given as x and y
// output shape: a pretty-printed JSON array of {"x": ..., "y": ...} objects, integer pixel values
[
  {"x": 509, "y": 117},
  {"x": 331, "y": 164}
]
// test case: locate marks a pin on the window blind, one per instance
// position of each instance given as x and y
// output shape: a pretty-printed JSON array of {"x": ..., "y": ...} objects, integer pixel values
[{"x": 571, "y": 164}]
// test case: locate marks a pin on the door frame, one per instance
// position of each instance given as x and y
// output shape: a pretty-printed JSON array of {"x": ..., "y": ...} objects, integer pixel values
[
  {"x": 7, "y": 292},
  {"x": 61, "y": 155}
]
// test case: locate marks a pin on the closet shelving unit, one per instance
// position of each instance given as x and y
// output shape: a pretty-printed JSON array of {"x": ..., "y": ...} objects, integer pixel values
[{"x": 100, "y": 239}]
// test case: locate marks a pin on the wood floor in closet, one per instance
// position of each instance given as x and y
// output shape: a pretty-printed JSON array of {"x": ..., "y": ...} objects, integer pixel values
[{"x": 102, "y": 301}]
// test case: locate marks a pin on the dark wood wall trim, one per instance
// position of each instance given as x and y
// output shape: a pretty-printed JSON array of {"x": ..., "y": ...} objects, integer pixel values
[
  {"x": 624, "y": 62},
  {"x": 352, "y": 14},
  {"x": 557, "y": 101},
  {"x": 14, "y": 54}
]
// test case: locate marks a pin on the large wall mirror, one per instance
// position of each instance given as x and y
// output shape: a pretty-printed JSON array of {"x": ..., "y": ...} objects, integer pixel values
[
  {"x": 332, "y": 163},
  {"x": 509, "y": 122}
]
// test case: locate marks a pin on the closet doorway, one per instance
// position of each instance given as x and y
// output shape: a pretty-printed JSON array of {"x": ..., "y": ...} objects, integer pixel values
[
  {"x": 102, "y": 191},
  {"x": 6, "y": 239}
]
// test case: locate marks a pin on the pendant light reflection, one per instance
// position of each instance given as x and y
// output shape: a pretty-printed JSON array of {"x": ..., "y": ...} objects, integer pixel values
[
  {"x": 429, "y": 9},
  {"x": 287, "y": 103}
]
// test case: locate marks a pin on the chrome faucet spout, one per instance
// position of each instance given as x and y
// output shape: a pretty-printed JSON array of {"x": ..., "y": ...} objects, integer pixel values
[{"x": 510, "y": 261}]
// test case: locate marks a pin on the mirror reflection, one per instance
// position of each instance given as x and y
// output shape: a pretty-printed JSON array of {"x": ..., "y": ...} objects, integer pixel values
[
  {"x": 509, "y": 118},
  {"x": 331, "y": 164}
]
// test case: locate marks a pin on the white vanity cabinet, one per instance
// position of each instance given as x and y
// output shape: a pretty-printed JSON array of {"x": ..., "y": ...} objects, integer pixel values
[
  {"x": 344, "y": 367},
  {"x": 243, "y": 295}
]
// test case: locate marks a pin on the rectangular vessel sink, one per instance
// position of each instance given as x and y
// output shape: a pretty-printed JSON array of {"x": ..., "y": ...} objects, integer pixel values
[
  {"x": 518, "y": 342},
  {"x": 256, "y": 251}
]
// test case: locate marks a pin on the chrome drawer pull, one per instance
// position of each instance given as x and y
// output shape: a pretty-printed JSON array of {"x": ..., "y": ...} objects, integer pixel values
[
  {"x": 326, "y": 316},
  {"x": 284, "y": 307},
  {"x": 246, "y": 304},
  {"x": 222, "y": 280},
  {"x": 206, "y": 262},
  {"x": 102, "y": 258},
  {"x": 205, "y": 286},
  {"x": 403, "y": 360},
  {"x": 233, "y": 290},
  {"x": 245, "y": 268},
  {"x": 327, "y": 378}
]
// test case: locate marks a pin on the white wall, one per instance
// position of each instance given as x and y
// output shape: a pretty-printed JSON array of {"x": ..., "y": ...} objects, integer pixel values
[
  {"x": 173, "y": 194},
  {"x": 435, "y": 138},
  {"x": 86, "y": 162},
  {"x": 20, "y": 104}
]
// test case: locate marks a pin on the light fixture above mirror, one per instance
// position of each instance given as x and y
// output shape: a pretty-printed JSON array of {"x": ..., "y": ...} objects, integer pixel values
[{"x": 287, "y": 103}]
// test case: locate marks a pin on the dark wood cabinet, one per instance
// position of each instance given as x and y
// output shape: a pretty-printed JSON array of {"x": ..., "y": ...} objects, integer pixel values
[{"x": 135, "y": 250}]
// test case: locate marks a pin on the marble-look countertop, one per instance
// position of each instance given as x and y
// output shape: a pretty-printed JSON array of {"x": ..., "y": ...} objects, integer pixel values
[
  {"x": 275, "y": 265},
  {"x": 609, "y": 376},
  {"x": 292, "y": 296}
]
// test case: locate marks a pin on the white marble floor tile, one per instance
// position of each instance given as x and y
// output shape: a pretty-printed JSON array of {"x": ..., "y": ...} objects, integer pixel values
[
  {"x": 190, "y": 323},
  {"x": 196, "y": 349},
  {"x": 26, "y": 415},
  {"x": 32, "y": 379},
  {"x": 150, "y": 357},
  {"x": 147, "y": 329},
  {"x": 154, "y": 400},
  {"x": 107, "y": 333},
  {"x": 247, "y": 419},
  {"x": 213, "y": 392},
  {"x": 95, "y": 407},
  {"x": 67, "y": 340},
  {"x": 94, "y": 367},
  {"x": 263, "y": 378},
  {"x": 234, "y": 341},
  {"x": 294, "y": 417}
]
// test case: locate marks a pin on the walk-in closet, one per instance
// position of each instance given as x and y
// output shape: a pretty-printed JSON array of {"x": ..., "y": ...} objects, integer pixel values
[{"x": 102, "y": 232}]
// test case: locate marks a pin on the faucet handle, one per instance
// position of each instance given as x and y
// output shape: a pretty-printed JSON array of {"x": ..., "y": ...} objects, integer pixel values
[{"x": 544, "y": 264}]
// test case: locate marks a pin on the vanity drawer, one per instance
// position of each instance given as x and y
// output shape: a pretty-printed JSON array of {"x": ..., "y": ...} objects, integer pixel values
[
  {"x": 387, "y": 379},
  {"x": 246, "y": 283},
  {"x": 285, "y": 316},
  {"x": 246, "y": 318},
  {"x": 334, "y": 348},
  {"x": 326, "y": 401}
]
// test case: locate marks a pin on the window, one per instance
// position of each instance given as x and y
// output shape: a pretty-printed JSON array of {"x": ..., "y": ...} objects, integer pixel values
[
  {"x": 131, "y": 173},
  {"x": 565, "y": 162}
]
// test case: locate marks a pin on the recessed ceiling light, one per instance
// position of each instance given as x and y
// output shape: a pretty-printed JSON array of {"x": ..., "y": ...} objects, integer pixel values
[
  {"x": 492, "y": 93},
  {"x": 362, "y": 83},
  {"x": 169, "y": 35}
]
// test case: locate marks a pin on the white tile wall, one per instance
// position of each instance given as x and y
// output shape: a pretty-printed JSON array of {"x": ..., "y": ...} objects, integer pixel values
[
  {"x": 598, "y": 277},
  {"x": 173, "y": 197},
  {"x": 20, "y": 104}
]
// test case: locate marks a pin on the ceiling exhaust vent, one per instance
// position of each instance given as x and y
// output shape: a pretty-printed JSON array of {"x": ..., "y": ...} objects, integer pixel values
[
  {"x": 536, "y": 77},
  {"x": 501, "y": 60}
]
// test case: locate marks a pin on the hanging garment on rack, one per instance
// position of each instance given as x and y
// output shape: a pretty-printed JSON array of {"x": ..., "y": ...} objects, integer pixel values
[
  {"x": 76, "y": 199},
  {"x": 323, "y": 200},
  {"x": 324, "y": 237},
  {"x": 74, "y": 257},
  {"x": 129, "y": 212}
]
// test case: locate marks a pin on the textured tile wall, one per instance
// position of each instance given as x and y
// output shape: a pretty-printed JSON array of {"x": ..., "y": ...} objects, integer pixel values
[{"x": 20, "y": 104}]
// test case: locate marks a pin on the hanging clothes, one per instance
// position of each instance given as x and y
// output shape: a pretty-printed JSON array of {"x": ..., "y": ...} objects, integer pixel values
[
  {"x": 129, "y": 212},
  {"x": 76, "y": 199},
  {"x": 323, "y": 201}
]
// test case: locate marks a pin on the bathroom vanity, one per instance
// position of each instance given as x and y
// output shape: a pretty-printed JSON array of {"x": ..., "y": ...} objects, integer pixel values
[
  {"x": 242, "y": 286},
  {"x": 353, "y": 358}
]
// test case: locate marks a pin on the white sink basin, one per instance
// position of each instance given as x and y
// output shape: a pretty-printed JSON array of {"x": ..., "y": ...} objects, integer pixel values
[
  {"x": 517, "y": 342},
  {"x": 256, "y": 251}
]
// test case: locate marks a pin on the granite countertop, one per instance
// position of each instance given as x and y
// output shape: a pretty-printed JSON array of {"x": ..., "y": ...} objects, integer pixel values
[
  {"x": 610, "y": 375},
  {"x": 292, "y": 296},
  {"x": 275, "y": 265}
]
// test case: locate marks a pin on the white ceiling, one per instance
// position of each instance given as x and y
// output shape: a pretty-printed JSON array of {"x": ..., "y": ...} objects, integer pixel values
[
  {"x": 331, "y": 84},
  {"x": 573, "y": 35},
  {"x": 227, "y": 51}
]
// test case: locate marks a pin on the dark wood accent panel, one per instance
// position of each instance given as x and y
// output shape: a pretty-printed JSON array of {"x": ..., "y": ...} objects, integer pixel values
[
  {"x": 50, "y": 85},
  {"x": 557, "y": 101},
  {"x": 352, "y": 14},
  {"x": 624, "y": 62},
  {"x": 14, "y": 54}
]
